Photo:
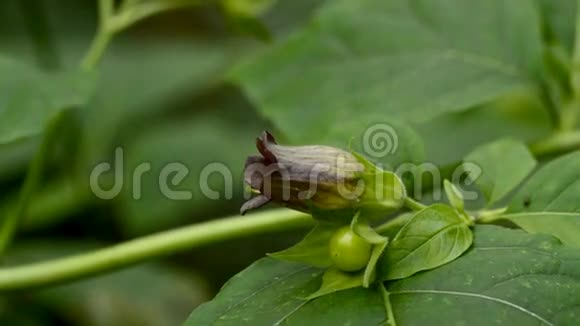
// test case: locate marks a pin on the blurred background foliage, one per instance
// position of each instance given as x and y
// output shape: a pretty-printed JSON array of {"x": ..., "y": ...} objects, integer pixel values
[{"x": 163, "y": 95}]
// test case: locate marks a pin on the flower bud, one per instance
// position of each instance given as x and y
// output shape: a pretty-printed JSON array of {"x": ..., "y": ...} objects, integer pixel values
[{"x": 301, "y": 176}]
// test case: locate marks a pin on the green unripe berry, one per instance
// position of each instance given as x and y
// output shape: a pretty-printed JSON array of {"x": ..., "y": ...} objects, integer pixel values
[{"x": 348, "y": 251}]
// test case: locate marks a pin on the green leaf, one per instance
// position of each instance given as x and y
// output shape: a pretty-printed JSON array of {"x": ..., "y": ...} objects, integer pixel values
[
  {"x": 433, "y": 237},
  {"x": 553, "y": 192},
  {"x": 497, "y": 279},
  {"x": 504, "y": 165},
  {"x": 453, "y": 195},
  {"x": 565, "y": 226},
  {"x": 314, "y": 249},
  {"x": 507, "y": 277},
  {"x": 456, "y": 57},
  {"x": 335, "y": 280},
  {"x": 29, "y": 98},
  {"x": 554, "y": 188},
  {"x": 517, "y": 115},
  {"x": 386, "y": 142},
  {"x": 277, "y": 287}
]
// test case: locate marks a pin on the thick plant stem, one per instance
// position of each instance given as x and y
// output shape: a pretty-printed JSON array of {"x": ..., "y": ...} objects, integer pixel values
[
  {"x": 556, "y": 144},
  {"x": 145, "y": 248}
]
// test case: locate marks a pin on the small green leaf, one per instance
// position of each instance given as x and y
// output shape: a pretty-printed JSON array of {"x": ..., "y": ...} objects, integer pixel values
[
  {"x": 335, "y": 280},
  {"x": 565, "y": 226},
  {"x": 29, "y": 98},
  {"x": 454, "y": 195},
  {"x": 314, "y": 249},
  {"x": 504, "y": 165},
  {"x": 433, "y": 237}
]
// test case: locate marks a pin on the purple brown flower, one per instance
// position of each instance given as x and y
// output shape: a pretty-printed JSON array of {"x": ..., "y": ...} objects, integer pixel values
[{"x": 301, "y": 176}]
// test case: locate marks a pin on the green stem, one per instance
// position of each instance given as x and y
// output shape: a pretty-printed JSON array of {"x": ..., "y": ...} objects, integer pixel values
[
  {"x": 413, "y": 204},
  {"x": 97, "y": 49},
  {"x": 11, "y": 222},
  {"x": 557, "y": 143},
  {"x": 102, "y": 39},
  {"x": 388, "y": 307},
  {"x": 111, "y": 23},
  {"x": 145, "y": 248}
]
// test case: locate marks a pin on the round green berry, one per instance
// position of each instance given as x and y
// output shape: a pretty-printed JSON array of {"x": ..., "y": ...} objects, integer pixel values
[{"x": 349, "y": 252}]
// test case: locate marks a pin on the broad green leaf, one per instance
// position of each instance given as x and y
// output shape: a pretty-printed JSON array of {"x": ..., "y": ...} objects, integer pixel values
[
  {"x": 507, "y": 277},
  {"x": 554, "y": 188},
  {"x": 432, "y": 57},
  {"x": 334, "y": 280},
  {"x": 504, "y": 165},
  {"x": 29, "y": 98},
  {"x": 278, "y": 288},
  {"x": 314, "y": 249},
  {"x": 386, "y": 142},
  {"x": 432, "y": 237},
  {"x": 565, "y": 226},
  {"x": 517, "y": 115},
  {"x": 548, "y": 201}
]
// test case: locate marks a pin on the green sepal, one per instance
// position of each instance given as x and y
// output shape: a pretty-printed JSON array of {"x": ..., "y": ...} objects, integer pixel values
[
  {"x": 384, "y": 191},
  {"x": 313, "y": 249},
  {"x": 335, "y": 280}
]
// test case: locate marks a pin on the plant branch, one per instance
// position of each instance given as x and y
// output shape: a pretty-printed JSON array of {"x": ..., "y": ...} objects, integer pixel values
[
  {"x": 559, "y": 142},
  {"x": 148, "y": 247},
  {"x": 10, "y": 224},
  {"x": 111, "y": 23}
]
